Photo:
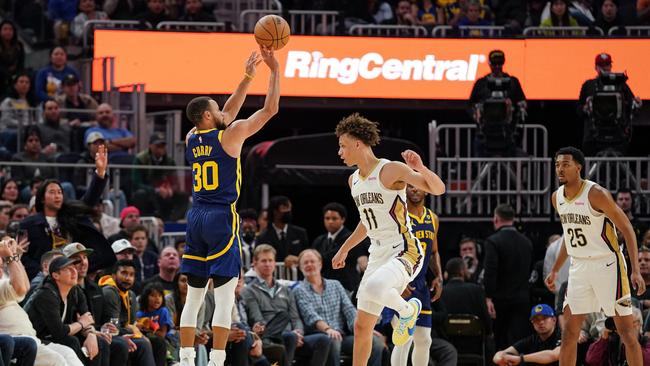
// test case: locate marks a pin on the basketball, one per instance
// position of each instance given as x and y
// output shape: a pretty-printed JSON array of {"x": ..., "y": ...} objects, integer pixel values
[{"x": 272, "y": 31}]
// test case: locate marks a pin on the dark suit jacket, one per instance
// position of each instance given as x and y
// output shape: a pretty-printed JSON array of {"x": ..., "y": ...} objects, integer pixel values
[
  {"x": 461, "y": 297},
  {"x": 348, "y": 276},
  {"x": 295, "y": 242}
]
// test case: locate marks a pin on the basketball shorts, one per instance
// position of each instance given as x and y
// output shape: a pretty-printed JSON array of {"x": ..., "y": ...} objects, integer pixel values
[
  {"x": 599, "y": 283},
  {"x": 213, "y": 245}
]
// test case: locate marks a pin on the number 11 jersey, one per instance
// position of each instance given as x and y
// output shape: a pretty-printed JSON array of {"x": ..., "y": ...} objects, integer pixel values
[{"x": 587, "y": 232}]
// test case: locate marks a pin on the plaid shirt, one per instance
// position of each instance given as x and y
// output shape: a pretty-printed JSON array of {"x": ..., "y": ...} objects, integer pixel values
[{"x": 333, "y": 306}]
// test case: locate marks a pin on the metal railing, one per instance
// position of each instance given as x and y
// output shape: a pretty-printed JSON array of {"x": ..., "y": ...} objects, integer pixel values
[
  {"x": 91, "y": 25},
  {"x": 230, "y": 10},
  {"x": 192, "y": 26},
  {"x": 468, "y": 31},
  {"x": 631, "y": 31},
  {"x": 169, "y": 123},
  {"x": 562, "y": 31},
  {"x": 283, "y": 273},
  {"x": 314, "y": 22},
  {"x": 388, "y": 30},
  {"x": 457, "y": 140},
  {"x": 615, "y": 173}
]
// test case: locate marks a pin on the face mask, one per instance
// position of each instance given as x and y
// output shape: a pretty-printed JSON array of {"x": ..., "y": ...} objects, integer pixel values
[
  {"x": 286, "y": 217},
  {"x": 248, "y": 236}
]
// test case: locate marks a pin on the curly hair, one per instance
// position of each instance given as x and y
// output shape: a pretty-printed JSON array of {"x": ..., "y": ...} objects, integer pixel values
[{"x": 360, "y": 128}]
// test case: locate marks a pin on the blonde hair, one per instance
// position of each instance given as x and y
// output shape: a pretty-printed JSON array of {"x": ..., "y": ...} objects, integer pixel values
[{"x": 263, "y": 248}]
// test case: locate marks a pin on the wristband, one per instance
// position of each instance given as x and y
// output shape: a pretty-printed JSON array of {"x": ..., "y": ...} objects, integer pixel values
[
  {"x": 521, "y": 357},
  {"x": 11, "y": 258},
  {"x": 248, "y": 76}
]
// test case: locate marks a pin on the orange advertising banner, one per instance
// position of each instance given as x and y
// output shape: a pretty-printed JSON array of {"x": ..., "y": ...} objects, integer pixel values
[{"x": 362, "y": 67}]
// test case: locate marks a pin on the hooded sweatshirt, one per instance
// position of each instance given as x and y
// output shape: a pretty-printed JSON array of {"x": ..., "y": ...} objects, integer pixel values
[{"x": 118, "y": 303}]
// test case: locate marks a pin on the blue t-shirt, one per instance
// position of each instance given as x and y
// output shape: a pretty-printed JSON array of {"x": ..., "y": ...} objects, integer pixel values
[
  {"x": 48, "y": 81},
  {"x": 160, "y": 317},
  {"x": 110, "y": 133}
]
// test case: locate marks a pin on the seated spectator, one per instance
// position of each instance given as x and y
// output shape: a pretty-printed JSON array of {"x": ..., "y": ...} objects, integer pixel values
[
  {"x": 14, "y": 320},
  {"x": 469, "y": 250},
  {"x": 123, "y": 250},
  {"x": 72, "y": 98},
  {"x": 153, "y": 318},
  {"x": 16, "y": 110},
  {"x": 154, "y": 14},
  {"x": 279, "y": 313},
  {"x": 122, "y": 9},
  {"x": 543, "y": 347},
  {"x": 644, "y": 268},
  {"x": 58, "y": 221},
  {"x": 325, "y": 307},
  {"x": 61, "y": 12},
  {"x": 427, "y": 14},
  {"x": 287, "y": 239},
  {"x": 109, "y": 225},
  {"x": 55, "y": 135},
  {"x": 18, "y": 212},
  {"x": 405, "y": 14},
  {"x": 155, "y": 155},
  {"x": 12, "y": 54},
  {"x": 473, "y": 18},
  {"x": 625, "y": 200},
  {"x": 248, "y": 232},
  {"x": 49, "y": 78},
  {"x": 21, "y": 349},
  {"x": 560, "y": 16},
  {"x": 168, "y": 265},
  {"x": 452, "y": 11},
  {"x": 117, "y": 139},
  {"x": 87, "y": 11},
  {"x": 37, "y": 281},
  {"x": 146, "y": 260},
  {"x": 609, "y": 17},
  {"x": 61, "y": 316},
  {"x": 194, "y": 12},
  {"x": 9, "y": 192},
  {"x": 32, "y": 154},
  {"x": 120, "y": 303},
  {"x": 93, "y": 142},
  {"x": 607, "y": 350}
]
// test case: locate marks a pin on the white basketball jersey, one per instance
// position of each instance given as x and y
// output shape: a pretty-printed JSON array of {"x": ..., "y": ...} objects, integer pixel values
[
  {"x": 587, "y": 232},
  {"x": 381, "y": 210}
]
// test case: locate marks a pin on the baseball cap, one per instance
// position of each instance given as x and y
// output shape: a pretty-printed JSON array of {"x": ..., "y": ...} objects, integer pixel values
[
  {"x": 75, "y": 248},
  {"x": 603, "y": 59},
  {"x": 497, "y": 57},
  {"x": 541, "y": 309},
  {"x": 94, "y": 136},
  {"x": 70, "y": 79},
  {"x": 128, "y": 210},
  {"x": 59, "y": 263},
  {"x": 121, "y": 245},
  {"x": 157, "y": 138}
]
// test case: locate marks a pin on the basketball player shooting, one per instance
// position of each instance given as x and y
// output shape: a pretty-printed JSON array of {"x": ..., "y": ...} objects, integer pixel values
[
  {"x": 598, "y": 273},
  {"x": 378, "y": 188},
  {"x": 213, "y": 247}
]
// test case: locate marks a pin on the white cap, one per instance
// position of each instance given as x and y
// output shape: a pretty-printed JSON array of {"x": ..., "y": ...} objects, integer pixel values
[{"x": 121, "y": 245}]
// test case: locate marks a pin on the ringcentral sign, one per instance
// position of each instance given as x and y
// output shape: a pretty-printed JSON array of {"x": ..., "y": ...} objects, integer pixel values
[{"x": 362, "y": 67}]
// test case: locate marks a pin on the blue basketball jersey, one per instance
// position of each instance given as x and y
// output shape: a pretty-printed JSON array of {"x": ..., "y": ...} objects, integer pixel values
[
  {"x": 216, "y": 176},
  {"x": 424, "y": 229}
]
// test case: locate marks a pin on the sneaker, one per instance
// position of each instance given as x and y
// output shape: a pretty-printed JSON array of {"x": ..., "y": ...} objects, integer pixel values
[
  {"x": 406, "y": 326},
  {"x": 187, "y": 356}
]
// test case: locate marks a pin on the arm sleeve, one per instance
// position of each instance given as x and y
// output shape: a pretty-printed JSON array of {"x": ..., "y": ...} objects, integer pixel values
[
  {"x": 305, "y": 307},
  {"x": 165, "y": 318},
  {"x": 491, "y": 265},
  {"x": 94, "y": 192},
  {"x": 46, "y": 306},
  {"x": 296, "y": 323}
]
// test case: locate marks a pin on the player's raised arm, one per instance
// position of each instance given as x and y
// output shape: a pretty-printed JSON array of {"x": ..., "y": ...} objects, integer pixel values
[
  {"x": 234, "y": 103},
  {"x": 415, "y": 173},
  {"x": 241, "y": 129}
]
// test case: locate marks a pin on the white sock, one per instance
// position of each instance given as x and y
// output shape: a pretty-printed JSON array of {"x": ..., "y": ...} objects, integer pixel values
[
  {"x": 217, "y": 357},
  {"x": 187, "y": 355}
]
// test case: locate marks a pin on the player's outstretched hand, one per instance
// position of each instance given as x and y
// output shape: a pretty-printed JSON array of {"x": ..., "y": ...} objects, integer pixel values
[
  {"x": 412, "y": 159},
  {"x": 550, "y": 281},
  {"x": 638, "y": 283},
  {"x": 251, "y": 63},
  {"x": 339, "y": 259},
  {"x": 269, "y": 57}
]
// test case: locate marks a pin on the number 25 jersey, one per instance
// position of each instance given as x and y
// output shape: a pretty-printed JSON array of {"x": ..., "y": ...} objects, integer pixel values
[
  {"x": 216, "y": 176},
  {"x": 587, "y": 232}
]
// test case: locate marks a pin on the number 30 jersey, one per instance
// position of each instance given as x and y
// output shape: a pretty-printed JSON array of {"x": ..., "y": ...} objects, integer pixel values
[
  {"x": 216, "y": 176},
  {"x": 587, "y": 232}
]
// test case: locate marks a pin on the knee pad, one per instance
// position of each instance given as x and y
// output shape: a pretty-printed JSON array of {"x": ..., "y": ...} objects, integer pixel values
[{"x": 221, "y": 317}]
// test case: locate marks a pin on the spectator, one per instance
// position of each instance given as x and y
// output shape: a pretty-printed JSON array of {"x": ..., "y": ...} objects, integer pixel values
[
  {"x": 154, "y": 14},
  {"x": 120, "y": 303},
  {"x": 468, "y": 250},
  {"x": 582, "y": 11},
  {"x": 129, "y": 219},
  {"x": 625, "y": 200},
  {"x": 16, "y": 110},
  {"x": 405, "y": 14},
  {"x": 109, "y": 225},
  {"x": 369, "y": 12},
  {"x": 9, "y": 192},
  {"x": 123, "y": 9},
  {"x": 248, "y": 232},
  {"x": 22, "y": 349},
  {"x": 87, "y": 11},
  {"x": 155, "y": 155},
  {"x": 55, "y": 136},
  {"x": 12, "y": 54},
  {"x": 334, "y": 216},
  {"x": 644, "y": 268},
  {"x": 325, "y": 307},
  {"x": 49, "y": 78},
  {"x": 452, "y": 11},
  {"x": 645, "y": 239},
  {"x": 609, "y": 17},
  {"x": 32, "y": 154},
  {"x": 279, "y": 312},
  {"x": 473, "y": 17},
  {"x": 539, "y": 292},
  {"x": 146, "y": 261},
  {"x": 92, "y": 294},
  {"x": 61, "y": 315},
  {"x": 168, "y": 266},
  {"x": 62, "y": 13},
  {"x": 508, "y": 257},
  {"x": 153, "y": 318},
  {"x": 37, "y": 281},
  {"x": 72, "y": 98},
  {"x": 57, "y": 220},
  {"x": 18, "y": 212},
  {"x": 93, "y": 142},
  {"x": 607, "y": 349},
  {"x": 560, "y": 16},
  {"x": 117, "y": 139},
  {"x": 510, "y": 13},
  {"x": 552, "y": 251},
  {"x": 287, "y": 239},
  {"x": 543, "y": 347},
  {"x": 427, "y": 13},
  {"x": 15, "y": 321},
  {"x": 123, "y": 250},
  {"x": 194, "y": 12}
]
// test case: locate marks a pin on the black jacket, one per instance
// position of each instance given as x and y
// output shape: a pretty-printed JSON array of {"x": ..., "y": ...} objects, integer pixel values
[
  {"x": 94, "y": 300},
  {"x": 481, "y": 92},
  {"x": 508, "y": 262},
  {"x": 41, "y": 240},
  {"x": 348, "y": 276},
  {"x": 46, "y": 310},
  {"x": 460, "y": 297},
  {"x": 295, "y": 242}
]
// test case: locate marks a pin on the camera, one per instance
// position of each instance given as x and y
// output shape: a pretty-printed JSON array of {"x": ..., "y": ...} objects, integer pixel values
[{"x": 611, "y": 112}]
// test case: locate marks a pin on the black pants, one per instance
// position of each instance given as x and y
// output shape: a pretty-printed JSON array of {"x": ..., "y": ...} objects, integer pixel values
[{"x": 511, "y": 324}]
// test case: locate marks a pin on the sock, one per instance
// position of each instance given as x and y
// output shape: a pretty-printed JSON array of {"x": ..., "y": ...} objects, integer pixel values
[
  {"x": 186, "y": 356},
  {"x": 217, "y": 357}
]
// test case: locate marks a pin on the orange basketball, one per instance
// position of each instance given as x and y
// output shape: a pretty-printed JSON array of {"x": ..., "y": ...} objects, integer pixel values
[{"x": 272, "y": 31}]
